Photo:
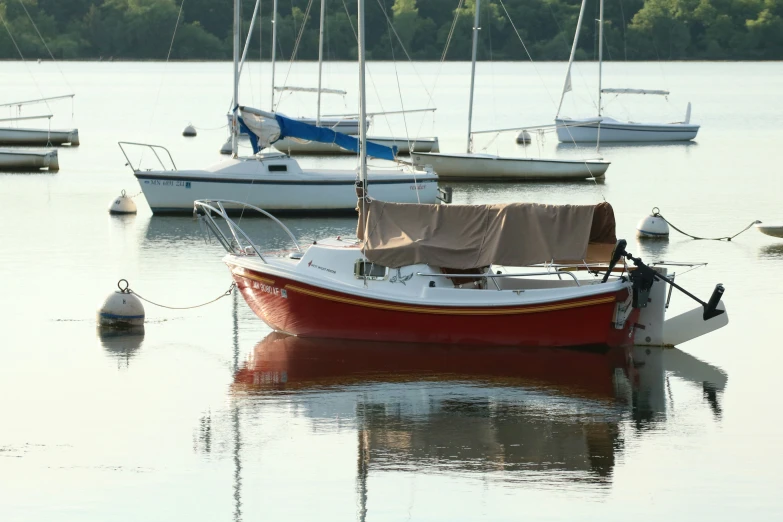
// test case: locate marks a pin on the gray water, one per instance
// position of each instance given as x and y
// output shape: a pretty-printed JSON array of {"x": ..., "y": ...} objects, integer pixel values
[{"x": 191, "y": 421}]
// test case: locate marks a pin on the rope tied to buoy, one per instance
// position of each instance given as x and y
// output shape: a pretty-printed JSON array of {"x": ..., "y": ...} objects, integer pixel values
[
  {"x": 127, "y": 290},
  {"x": 124, "y": 195},
  {"x": 656, "y": 212}
]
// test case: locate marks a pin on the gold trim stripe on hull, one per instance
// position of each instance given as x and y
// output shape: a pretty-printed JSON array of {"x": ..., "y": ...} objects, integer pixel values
[{"x": 453, "y": 311}]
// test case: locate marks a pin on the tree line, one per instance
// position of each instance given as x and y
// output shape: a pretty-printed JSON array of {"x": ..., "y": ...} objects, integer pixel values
[{"x": 633, "y": 29}]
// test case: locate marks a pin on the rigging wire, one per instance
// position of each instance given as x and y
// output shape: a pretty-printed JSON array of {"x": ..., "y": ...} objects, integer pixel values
[
  {"x": 296, "y": 44},
  {"x": 503, "y": 5},
  {"x": 56, "y": 63},
  {"x": 13, "y": 40},
  {"x": 402, "y": 103}
]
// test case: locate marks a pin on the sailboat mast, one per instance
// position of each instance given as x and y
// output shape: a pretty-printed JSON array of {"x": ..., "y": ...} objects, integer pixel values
[
  {"x": 600, "y": 50},
  {"x": 473, "y": 73},
  {"x": 320, "y": 62},
  {"x": 274, "y": 51},
  {"x": 234, "y": 121},
  {"x": 567, "y": 84},
  {"x": 362, "y": 104}
]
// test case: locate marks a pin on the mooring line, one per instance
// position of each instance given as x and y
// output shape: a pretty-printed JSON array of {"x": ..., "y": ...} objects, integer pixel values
[
  {"x": 127, "y": 289},
  {"x": 657, "y": 213}
]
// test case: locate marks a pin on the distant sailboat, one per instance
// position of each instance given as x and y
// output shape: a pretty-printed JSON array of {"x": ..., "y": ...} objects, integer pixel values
[
  {"x": 471, "y": 166},
  {"x": 605, "y": 129}
]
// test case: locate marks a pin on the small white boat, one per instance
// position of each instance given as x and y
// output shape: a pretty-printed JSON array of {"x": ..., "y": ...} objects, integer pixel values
[
  {"x": 21, "y": 136},
  {"x": 276, "y": 182},
  {"x": 607, "y": 130},
  {"x": 774, "y": 230},
  {"x": 26, "y": 160},
  {"x": 486, "y": 167},
  {"x": 404, "y": 147}
]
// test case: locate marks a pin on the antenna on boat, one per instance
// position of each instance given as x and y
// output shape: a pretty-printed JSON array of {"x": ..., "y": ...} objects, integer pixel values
[{"x": 473, "y": 73}]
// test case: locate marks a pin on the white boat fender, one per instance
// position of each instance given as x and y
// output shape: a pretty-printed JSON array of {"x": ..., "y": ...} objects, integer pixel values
[
  {"x": 121, "y": 309},
  {"x": 190, "y": 131},
  {"x": 226, "y": 148},
  {"x": 653, "y": 226},
  {"x": 122, "y": 205}
]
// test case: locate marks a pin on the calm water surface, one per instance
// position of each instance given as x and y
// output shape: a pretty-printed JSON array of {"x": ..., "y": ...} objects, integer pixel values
[{"x": 210, "y": 416}]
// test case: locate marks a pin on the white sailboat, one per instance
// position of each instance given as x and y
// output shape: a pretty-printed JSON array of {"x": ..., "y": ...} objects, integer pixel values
[
  {"x": 604, "y": 129},
  {"x": 471, "y": 166},
  {"x": 272, "y": 179}
]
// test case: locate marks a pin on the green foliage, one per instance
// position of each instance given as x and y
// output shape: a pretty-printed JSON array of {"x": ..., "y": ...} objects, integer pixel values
[{"x": 633, "y": 29}]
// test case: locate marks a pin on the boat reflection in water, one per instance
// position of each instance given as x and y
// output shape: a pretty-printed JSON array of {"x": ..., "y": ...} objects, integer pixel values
[{"x": 520, "y": 412}]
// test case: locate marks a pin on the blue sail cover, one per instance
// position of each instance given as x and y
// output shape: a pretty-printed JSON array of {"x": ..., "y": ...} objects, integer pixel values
[{"x": 290, "y": 128}]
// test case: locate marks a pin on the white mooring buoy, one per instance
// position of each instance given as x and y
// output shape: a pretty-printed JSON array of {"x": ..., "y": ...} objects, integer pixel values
[
  {"x": 653, "y": 226},
  {"x": 226, "y": 148},
  {"x": 122, "y": 205},
  {"x": 121, "y": 309},
  {"x": 189, "y": 131},
  {"x": 523, "y": 137}
]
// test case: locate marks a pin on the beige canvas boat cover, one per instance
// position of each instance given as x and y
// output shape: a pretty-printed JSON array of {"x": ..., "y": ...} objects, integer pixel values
[{"x": 472, "y": 236}]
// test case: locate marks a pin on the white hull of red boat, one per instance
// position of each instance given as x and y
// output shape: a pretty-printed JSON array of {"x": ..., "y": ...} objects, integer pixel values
[
  {"x": 19, "y": 136},
  {"x": 486, "y": 167},
  {"x": 27, "y": 160},
  {"x": 276, "y": 182},
  {"x": 609, "y": 130},
  {"x": 404, "y": 147}
]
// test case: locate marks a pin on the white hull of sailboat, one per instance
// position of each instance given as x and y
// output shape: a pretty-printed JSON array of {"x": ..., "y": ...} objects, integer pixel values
[
  {"x": 485, "y": 167},
  {"x": 570, "y": 130},
  {"x": 292, "y": 146},
  {"x": 26, "y": 160},
  {"x": 18, "y": 136},
  {"x": 291, "y": 191}
]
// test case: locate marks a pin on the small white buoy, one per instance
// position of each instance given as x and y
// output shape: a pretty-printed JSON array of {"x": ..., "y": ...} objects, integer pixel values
[
  {"x": 523, "y": 137},
  {"x": 121, "y": 309},
  {"x": 226, "y": 148},
  {"x": 653, "y": 226},
  {"x": 189, "y": 131},
  {"x": 122, "y": 205}
]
